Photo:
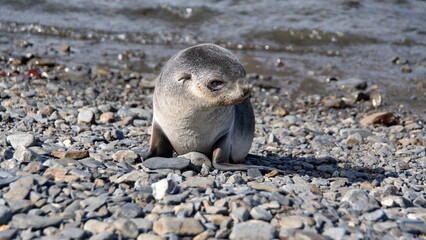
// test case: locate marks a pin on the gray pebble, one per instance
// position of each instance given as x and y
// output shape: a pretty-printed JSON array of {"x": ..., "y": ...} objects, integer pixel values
[
  {"x": 86, "y": 117},
  {"x": 360, "y": 200},
  {"x": 129, "y": 210},
  {"x": 252, "y": 230},
  {"x": 22, "y": 139},
  {"x": 336, "y": 233},
  {"x": 24, "y": 221},
  {"x": 5, "y": 214},
  {"x": 166, "y": 163},
  {"x": 260, "y": 213}
]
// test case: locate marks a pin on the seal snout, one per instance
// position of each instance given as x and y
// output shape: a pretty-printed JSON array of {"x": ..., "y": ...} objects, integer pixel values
[
  {"x": 246, "y": 90},
  {"x": 244, "y": 87}
]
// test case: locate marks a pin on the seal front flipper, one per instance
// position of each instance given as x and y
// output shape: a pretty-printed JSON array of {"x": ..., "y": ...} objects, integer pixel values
[
  {"x": 160, "y": 145},
  {"x": 221, "y": 158}
]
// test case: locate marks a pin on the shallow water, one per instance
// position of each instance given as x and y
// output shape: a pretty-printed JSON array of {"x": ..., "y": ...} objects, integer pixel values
[{"x": 314, "y": 39}]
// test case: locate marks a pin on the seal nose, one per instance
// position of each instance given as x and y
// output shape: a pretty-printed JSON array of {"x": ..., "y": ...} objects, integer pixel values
[
  {"x": 246, "y": 90},
  {"x": 244, "y": 86}
]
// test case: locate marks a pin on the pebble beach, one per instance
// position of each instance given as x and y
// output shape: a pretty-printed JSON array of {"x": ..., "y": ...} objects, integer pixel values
[{"x": 350, "y": 165}]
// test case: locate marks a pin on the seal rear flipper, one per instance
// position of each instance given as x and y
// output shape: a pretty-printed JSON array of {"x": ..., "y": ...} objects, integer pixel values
[{"x": 160, "y": 145}]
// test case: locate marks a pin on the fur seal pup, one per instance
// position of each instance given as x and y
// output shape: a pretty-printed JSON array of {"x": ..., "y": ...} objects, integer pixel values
[{"x": 201, "y": 105}]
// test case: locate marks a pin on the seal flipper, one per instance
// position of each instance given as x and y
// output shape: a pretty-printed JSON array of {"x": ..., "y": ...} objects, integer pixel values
[
  {"x": 221, "y": 158},
  {"x": 160, "y": 145}
]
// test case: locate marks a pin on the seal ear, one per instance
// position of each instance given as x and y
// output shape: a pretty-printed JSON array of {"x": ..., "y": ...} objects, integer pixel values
[{"x": 184, "y": 77}]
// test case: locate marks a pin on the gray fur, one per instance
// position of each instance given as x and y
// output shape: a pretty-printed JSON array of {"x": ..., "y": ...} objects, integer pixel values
[{"x": 190, "y": 117}]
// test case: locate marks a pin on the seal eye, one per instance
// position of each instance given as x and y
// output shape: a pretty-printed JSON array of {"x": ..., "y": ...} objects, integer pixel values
[
  {"x": 215, "y": 85},
  {"x": 184, "y": 77}
]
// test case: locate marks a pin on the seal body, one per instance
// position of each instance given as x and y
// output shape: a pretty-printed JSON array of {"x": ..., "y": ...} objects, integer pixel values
[{"x": 201, "y": 104}]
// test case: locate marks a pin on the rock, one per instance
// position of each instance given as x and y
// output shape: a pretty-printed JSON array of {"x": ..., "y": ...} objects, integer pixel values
[
  {"x": 22, "y": 139},
  {"x": 74, "y": 154},
  {"x": 199, "y": 182},
  {"x": 25, "y": 221},
  {"x": 147, "y": 236},
  {"x": 381, "y": 118},
  {"x": 354, "y": 139},
  {"x": 65, "y": 48},
  {"x": 414, "y": 226},
  {"x": 263, "y": 187},
  {"x": 106, "y": 117},
  {"x": 109, "y": 235},
  {"x": 396, "y": 201},
  {"x": 179, "y": 226},
  {"x": 20, "y": 189},
  {"x": 294, "y": 222},
  {"x": 73, "y": 233},
  {"x": 254, "y": 173},
  {"x": 23, "y": 154},
  {"x": 126, "y": 228},
  {"x": 161, "y": 188},
  {"x": 144, "y": 225},
  {"x": 240, "y": 214},
  {"x": 96, "y": 226},
  {"x": 5, "y": 214},
  {"x": 260, "y": 213},
  {"x": 252, "y": 230},
  {"x": 346, "y": 132},
  {"x": 197, "y": 159},
  {"x": 85, "y": 117},
  {"x": 166, "y": 163},
  {"x": 352, "y": 84},
  {"x": 133, "y": 176},
  {"x": 125, "y": 155},
  {"x": 336, "y": 233},
  {"x": 360, "y": 200},
  {"x": 8, "y": 234},
  {"x": 129, "y": 210},
  {"x": 375, "y": 216}
]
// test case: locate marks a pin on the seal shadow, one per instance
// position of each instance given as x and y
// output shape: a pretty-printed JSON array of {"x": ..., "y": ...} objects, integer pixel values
[{"x": 326, "y": 167}]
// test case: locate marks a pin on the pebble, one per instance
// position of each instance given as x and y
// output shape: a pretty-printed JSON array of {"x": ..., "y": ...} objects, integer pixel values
[
  {"x": 252, "y": 230},
  {"x": 125, "y": 155},
  {"x": 177, "y": 163},
  {"x": 147, "y": 236},
  {"x": 240, "y": 214},
  {"x": 8, "y": 234},
  {"x": 5, "y": 214},
  {"x": 20, "y": 189},
  {"x": 129, "y": 210},
  {"x": 336, "y": 233},
  {"x": 260, "y": 213},
  {"x": 23, "y": 154},
  {"x": 86, "y": 117},
  {"x": 179, "y": 226},
  {"x": 161, "y": 188},
  {"x": 126, "y": 228},
  {"x": 109, "y": 235},
  {"x": 360, "y": 200},
  {"x": 25, "y": 221},
  {"x": 74, "y": 154},
  {"x": 381, "y": 118},
  {"x": 106, "y": 117},
  {"x": 291, "y": 222},
  {"x": 199, "y": 182},
  {"x": 73, "y": 233},
  {"x": 96, "y": 226},
  {"x": 22, "y": 139}
]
